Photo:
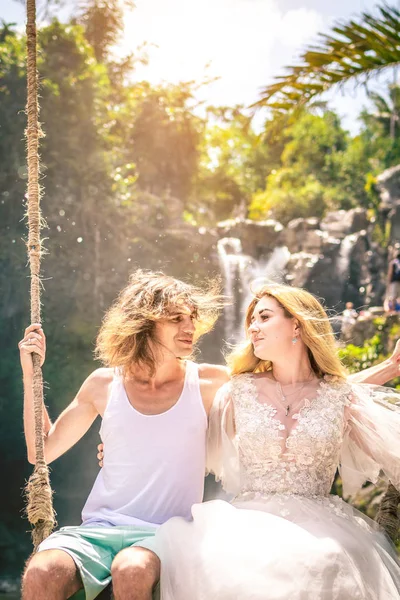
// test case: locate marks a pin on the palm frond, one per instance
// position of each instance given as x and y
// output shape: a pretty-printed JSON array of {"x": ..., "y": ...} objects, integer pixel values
[{"x": 356, "y": 50}]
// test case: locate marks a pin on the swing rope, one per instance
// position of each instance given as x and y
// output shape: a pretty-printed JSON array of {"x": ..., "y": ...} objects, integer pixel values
[
  {"x": 38, "y": 491},
  {"x": 387, "y": 515}
]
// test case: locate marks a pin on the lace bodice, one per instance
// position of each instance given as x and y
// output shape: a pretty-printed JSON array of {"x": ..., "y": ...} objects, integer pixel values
[
  {"x": 254, "y": 448},
  {"x": 298, "y": 455}
]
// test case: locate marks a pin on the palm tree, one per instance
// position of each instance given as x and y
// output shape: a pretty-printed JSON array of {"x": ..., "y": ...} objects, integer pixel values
[
  {"x": 387, "y": 111},
  {"x": 355, "y": 50},
  {"x": 382, "y": 125}
]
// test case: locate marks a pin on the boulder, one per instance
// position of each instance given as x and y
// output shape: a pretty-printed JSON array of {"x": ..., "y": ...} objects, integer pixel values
[
  {"x": 258, "y": 238},
  {"x": 363, "y": 329},
  {"x": 340, "y": 223},
  {"x": 303, "y": 235},
  {"x": 299, "y": 268},
  {"x": 388, "y": 184}
]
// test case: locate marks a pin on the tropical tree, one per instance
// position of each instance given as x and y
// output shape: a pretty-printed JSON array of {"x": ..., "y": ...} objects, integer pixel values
[
  {"x": 232, "y": 165},
  {"x": 355, "y": 50},
  {"x": 161, "y": 136},
  {"x": 383, "y": 127},
  {"x": 320, "y": 168},
  {"x": 103, "y": 21}
]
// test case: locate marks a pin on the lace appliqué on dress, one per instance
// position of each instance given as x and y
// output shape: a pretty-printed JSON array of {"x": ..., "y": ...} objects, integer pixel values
[{"x": 305, "y": 463}]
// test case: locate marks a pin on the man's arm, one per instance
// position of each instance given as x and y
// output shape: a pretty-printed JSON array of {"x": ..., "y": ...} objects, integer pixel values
[
  {"x": 381, "y": 373},
  {"x": 74, "y": 421}
]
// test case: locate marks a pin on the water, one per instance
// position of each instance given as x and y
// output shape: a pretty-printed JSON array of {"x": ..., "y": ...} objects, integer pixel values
[
  {"x": 234, "y": 266},
  {"x": 242, "y": 273},
  {"x": 343, "y": 260}
]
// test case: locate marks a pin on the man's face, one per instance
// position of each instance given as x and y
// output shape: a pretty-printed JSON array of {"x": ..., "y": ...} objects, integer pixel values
[{"x": 176, "y": 334}]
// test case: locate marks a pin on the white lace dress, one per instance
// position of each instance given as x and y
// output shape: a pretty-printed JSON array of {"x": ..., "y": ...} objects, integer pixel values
[{"x": 283, "y": 536}]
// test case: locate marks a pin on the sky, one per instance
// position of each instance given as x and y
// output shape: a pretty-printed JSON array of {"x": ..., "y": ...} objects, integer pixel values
[{"x": 245, "y": 43}]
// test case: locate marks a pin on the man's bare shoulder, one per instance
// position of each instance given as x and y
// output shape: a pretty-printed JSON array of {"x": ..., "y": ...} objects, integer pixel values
[
  {"x": 103, "y": 374},
  {"x": 215, "y": 373},
  {"x": 97, "y": 383}
]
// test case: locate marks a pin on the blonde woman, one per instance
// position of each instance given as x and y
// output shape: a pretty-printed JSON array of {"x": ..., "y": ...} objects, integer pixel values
[{"x": 278, "y": 432}]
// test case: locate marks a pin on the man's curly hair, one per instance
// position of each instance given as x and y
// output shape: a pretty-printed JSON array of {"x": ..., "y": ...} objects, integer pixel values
[{"x": 129, "y": 325}]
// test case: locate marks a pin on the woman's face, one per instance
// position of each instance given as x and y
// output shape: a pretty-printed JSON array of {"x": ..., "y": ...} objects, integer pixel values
[{"x": 271, "y": 333}]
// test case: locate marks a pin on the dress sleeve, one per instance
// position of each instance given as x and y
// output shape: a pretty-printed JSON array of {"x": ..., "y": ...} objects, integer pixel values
[
  {"x": 222, "y": 452},
  {"x": 371, "y": 441}
]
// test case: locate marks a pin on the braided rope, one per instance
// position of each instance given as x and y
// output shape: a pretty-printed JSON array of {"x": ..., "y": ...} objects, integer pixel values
[
  {"x": 387, "y": 515},
  {"x": 38, "y": 491}
]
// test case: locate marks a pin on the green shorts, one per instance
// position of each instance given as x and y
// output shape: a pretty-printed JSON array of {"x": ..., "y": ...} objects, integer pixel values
[{"x": 94, "y": 548}]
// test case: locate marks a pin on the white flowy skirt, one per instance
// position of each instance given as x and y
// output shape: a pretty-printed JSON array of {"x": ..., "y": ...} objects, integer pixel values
[{"x": 277, "y": 548}]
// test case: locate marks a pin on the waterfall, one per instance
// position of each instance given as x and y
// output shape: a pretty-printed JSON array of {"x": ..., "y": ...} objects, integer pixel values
[
  {"x": 343, "y": 260},
  {"x": 240, "y": 271},
  {"x": 234, "y": 265}
]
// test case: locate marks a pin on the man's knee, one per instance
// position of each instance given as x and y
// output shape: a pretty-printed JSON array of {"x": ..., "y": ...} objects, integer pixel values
[
  {"x": 39, "y": 572},
  {"x": 136, "y": 565},
  {"x": 47, "y": 572}
]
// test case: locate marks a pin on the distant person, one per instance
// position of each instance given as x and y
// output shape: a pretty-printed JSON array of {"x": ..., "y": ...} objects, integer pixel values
[
  {"x": 349, "y": 318},
  {"x": 393, "y": 283},
  {"x": 389, "y": 304}
]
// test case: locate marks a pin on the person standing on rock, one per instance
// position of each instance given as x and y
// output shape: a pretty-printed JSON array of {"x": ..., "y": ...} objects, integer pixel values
[
  {"x": 393, "y": 284},
  {"x": 349, "y": 318}
]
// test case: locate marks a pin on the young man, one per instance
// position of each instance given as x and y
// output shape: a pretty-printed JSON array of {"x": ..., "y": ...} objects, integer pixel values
[{"x": 154, "y": 404}]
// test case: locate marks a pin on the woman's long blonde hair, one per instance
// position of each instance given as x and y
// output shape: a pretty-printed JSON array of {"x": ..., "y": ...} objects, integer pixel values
[
  {"x": 127, "y": 336},
  {"x": 315, "y": 331}
]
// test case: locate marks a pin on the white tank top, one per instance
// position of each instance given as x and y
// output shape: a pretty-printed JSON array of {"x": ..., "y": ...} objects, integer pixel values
[{"x": 154, "y": 465}]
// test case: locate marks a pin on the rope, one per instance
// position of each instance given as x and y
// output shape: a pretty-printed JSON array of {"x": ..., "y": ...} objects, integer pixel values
[
  {"x": 387, "y": 514},
  {"x": 38, "y": 491}
]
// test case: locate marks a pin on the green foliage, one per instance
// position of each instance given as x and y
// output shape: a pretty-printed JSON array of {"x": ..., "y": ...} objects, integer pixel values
[
  {"x": 162, "y": 138},
  {"x": 313, "y": 139},
  {"x": 321, "y": 169},
  {"x": 375, "y": 349},
  {"x": 381, "y": 124},
  {"x": 289, "y": 195},
  {"x": 103, "y": 22},
  {"x": 231, "y": 165},
  {"x": 357, "y": 358}
]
